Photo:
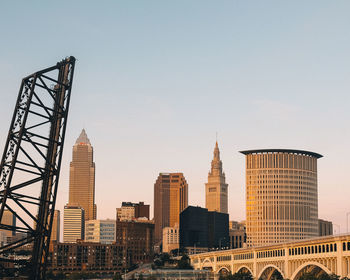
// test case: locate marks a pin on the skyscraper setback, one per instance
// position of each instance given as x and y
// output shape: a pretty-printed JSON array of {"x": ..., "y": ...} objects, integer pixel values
[
  {"x": 170, "y": 198},
  {"x": 82, "y": 177},
  {"x": 216, "y": 190}
]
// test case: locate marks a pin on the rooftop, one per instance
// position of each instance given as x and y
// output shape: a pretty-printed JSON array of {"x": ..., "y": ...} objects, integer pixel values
[
  {"x": 288, "y": 151},
  {"x": 83, "y": 138}
]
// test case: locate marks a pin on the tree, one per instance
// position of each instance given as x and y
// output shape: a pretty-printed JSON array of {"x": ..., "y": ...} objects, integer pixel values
[
  {"x": 184, "y": 263},
  {"x": 165, "y": 257},
  {"x": 117, "y": 276}
]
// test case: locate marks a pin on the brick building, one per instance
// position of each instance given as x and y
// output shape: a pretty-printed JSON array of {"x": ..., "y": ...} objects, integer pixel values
[{"x": 136, "y": 237}]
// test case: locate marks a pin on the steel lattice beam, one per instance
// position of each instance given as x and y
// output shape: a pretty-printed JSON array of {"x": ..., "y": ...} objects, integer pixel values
[{"x": 30, "y": 166}]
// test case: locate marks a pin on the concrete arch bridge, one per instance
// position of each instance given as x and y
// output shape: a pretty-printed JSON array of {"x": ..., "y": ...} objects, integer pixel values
[{"x": 320, "y": 255}]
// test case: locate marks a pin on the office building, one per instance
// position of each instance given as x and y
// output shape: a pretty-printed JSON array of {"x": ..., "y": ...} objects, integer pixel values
[
  {"x": 170, "y": 198},
  {"x": 82, "y": 177},
  {"x": 73, "y": 223},
  {"x": 216, "y": 190},
  {"x": 281, "y": 195},
  {"x": 218, "y": 230},
  {"x": 325, "y": 227},
  {"x": 201, "y": 229},
  {"x": 8, "y": 219},
  {"x": 171, "y": 238},
  {"x": 137, "y": 239},
  {"x": 234, "y": 225},
  {"x": 55, "y": 232},
  {"x": 130, "y": 211},
  {"x": 238, "y": 236},
  {"x": 100, "y": 231}
]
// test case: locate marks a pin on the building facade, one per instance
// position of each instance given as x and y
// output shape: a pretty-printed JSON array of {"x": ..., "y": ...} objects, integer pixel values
[
  {"x": 87, "y": 257},
  {"x": 218, "y": 230},
  {"x": 170, "y": 198},
  {"x": 238, "y": 236},
  {"x": 82, "y": 177},
  {"x": 55, "y": 232},
  {"x": 281, "y": 195},
  {"x": 137, "y": 238},
  {"x": 100, "y": 231},
  {"x": 171, "y": 238},
  {"x": 8, "y": 219},
  {"x": 129, "y": 211},
  {"x": 73, "y": 223},
  {"x": 325, "y": 227},
  {"x": 202, "y": 229},
  {"x": 216, "y": 190}
]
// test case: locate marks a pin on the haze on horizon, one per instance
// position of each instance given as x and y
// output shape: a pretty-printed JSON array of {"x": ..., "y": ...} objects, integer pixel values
[{"x": 155, "y": 81}]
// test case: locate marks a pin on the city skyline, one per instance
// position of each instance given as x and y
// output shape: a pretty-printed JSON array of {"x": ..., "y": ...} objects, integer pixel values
[{"x": 151, "y": 96}]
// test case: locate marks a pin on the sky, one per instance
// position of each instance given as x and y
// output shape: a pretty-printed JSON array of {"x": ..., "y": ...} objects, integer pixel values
[{"x": 156, "y": 80}]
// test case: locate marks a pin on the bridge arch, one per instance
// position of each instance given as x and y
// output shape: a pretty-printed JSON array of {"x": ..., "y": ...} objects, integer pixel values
[
  {"x": 244, "y": 268},
  {"x": 302, "y": 268},
  {"x": 224, "y": 270},
  {"x": 273, "y": 269},
  {"x": 207, "y": 264}
]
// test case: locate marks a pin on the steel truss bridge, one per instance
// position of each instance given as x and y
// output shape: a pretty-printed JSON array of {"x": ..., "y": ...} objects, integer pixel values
[
  {"x": 30, "y": 168},
  {"x": 329, "y": 255}
]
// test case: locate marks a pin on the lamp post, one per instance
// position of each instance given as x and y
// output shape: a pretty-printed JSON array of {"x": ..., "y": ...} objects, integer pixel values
[
  {"x": 338, "y": 226},
  {"x": 347, "y": 222},
  {"x": 195, "y": 248},
  {"x": 222, "y": 238}
]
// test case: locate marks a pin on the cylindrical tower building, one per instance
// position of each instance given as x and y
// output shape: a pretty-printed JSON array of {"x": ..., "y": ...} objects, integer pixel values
[{"x": 281, "y": 195}]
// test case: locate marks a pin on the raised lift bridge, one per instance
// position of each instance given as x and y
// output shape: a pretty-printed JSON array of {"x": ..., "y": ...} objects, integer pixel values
[{"x": 30, "y": 168}]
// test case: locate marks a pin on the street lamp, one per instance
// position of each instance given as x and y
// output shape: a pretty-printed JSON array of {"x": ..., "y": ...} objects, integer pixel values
[
  {"x": 195, "y": 248},
  {"x": 347, "y": 221},
  {"x": 222, "y": 238},
  {"x": 338, "y": 228}
]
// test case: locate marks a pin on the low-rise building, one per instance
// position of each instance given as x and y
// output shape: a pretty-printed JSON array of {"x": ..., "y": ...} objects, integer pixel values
[
  {"x": 325, "y": 227},
  {"x": 87, "y": 257},
  {"x": 237, "y": 234},
  {"x": 137, "y": 238},
  {"x": 171, "y": 238}
]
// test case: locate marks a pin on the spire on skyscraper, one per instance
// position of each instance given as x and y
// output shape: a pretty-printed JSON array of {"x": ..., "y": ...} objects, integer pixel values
[
  {"x": 216, "y": 151},
  {"x": 216, "y": 164},
  {"x": 216, "y": 188},
  {"x": 83, "y": 138}
]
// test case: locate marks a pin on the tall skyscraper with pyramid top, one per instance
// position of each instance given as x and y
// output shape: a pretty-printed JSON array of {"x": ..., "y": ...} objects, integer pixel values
[
  {"x": 82, "y": 177},
  {"x": 216, "y": 190}
]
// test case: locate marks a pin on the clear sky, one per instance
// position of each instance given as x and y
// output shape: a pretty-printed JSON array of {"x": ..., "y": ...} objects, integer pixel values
[{"x": 155, "y": 81}]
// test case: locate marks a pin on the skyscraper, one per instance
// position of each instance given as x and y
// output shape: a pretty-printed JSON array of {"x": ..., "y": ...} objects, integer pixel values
[
  {"x": 170, "y": 198},
  {"x": 55, "y": 232},
  {"x": 281, "y": 194},
  {"x": 216, "y": 190},
  {"x": 82, "y": 177},
  {"x": 8, "y": 219}
]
